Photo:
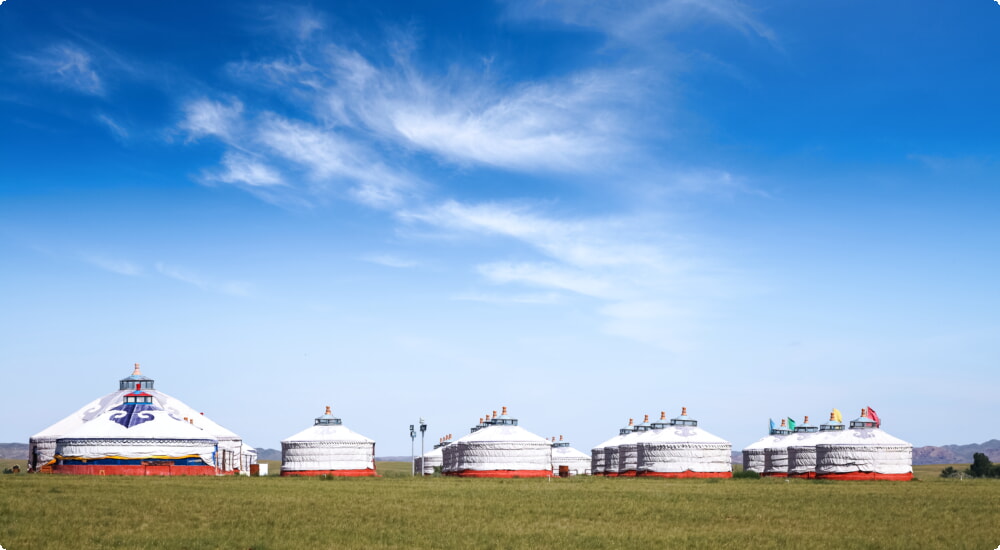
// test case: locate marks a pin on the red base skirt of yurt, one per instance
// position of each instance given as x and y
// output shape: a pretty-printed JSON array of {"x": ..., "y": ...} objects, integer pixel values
[
  {"x": 503, "y": 473},
  {"x": 865, "y": 476},
  {"x": 775, "y": 474},
  {"x": 628, "y": 473},
  {"x": 807, "y": 475},
  {"x": 339, "y": 473},
  {"x": 686, "y": 474},
  {"x": 134, "y": 470}
]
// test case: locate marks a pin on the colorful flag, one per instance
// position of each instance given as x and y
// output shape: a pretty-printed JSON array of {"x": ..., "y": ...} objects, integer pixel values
[
  {"x": 772, "y": 425},
  {"x": 837, "y": 416},
  {"x": 791, "y": 424},
  {"x": 872, "y": 415}
]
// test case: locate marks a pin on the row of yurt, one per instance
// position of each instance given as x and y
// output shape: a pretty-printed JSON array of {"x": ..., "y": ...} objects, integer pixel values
[
  {"x": 863, "y": 451},
  {"x": 138, "y": 430},
  {"x": 674, "y": 448},
  {"x": 563, "y": 456},
  {"x": 328, "y": 448},
  {"x": 433, "y": 458},
  {"x": 498, "y": 447}
]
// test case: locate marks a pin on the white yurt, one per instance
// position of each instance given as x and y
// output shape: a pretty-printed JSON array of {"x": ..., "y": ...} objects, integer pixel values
[
  {"x": 576, "y": 462},
  {"x": 450, "y": 453},
  {"x": 682, "y": 449},
  {"x": 328, "y": 448},
  {"x": 802, "y": 454},
  {"x": 753, "y": 454},
  {"x": 776, "y": 454},
  {"x": 628, "y": 449},
  {"x": 864, "y": 451},
  {"x": 232, "y": 455},
  {"x": 137, "y": 437},
  {"x": 433, "y": 458},
  {"x": 502, "y": 449},
  {"x": 610, "y": 450}
]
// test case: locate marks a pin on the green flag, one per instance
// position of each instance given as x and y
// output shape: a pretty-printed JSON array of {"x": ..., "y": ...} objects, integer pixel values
[{"x": 791, "y": 424}]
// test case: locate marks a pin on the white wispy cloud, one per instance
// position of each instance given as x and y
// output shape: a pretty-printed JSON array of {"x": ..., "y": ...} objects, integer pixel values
[
  {"x": 389, "y": 260},
  {"x": 67, "y": 65},
  {"x": 188, "y": 276},
  {"x": 243, "y": 169},
  {"x": 548, "y": 276},
  {"x": 641, "y": 21},
  {"x": 114, "y": 265},
  {"x": 116, "y": 129},
  {"x": 204, "y": 117}
]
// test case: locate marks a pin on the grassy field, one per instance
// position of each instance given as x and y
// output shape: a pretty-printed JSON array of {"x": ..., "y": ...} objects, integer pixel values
[{"x": 399, "y": 511}]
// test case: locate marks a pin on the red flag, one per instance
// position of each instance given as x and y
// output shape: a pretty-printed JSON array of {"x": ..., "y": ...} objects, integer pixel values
[{"x": 872, "y": 415}]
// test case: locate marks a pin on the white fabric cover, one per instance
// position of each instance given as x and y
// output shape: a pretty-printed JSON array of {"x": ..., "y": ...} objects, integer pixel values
[
  {"x": 776, "y": 454},
  {"x": 597, "y": 455},
  {"x": 628, "y": 452},
  {"x": 753, "y": 454},
  {"x": 327, "y": 447},
  {"x": 864, "y": 450},
  {"x": 44, "y": 442},
  {"x": 500, "y": 447},
  {"x": 677, "y": 449},
  {"x": 430, "y": 459},
  {"x": 162, "y": 437},
  {"x": 578, "y": 462},
  {"x": 610, "y": 449},
  {"x": 802, "y": 452}
]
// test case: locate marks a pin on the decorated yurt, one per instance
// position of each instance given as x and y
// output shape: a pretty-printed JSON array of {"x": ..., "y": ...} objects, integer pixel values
[
  {"x": 576, "y": 462},
  {"x": 802, "y": 454},
  {"x": 610, "y": 450},
  {"x": 628, "y": 449},
  {"x": 502, "y": 449},
  {"x": 682, "y": 449},
  {"x": 137, "y": 437},
  {"x": 864, "y": 451},
  {"x": 753, "y": 454},
  {"x": 776, "y": 454},
  {"x": 328, "y": 448},
  {"x": 232, "y": 454}
]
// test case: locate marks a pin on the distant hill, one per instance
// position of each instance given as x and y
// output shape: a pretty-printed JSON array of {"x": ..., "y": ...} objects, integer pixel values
[
  {"x": 14, "y": 451},
  {"x": 269, "y": 454}
]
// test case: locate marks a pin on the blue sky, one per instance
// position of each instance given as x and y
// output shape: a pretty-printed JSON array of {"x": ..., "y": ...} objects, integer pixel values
[{"x": 586, "y": 211}]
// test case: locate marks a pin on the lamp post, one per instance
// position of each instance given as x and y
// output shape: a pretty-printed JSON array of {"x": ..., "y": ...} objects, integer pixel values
[
  {"x": 413, "y": 463},
  {"x": 423, "y": 428}
]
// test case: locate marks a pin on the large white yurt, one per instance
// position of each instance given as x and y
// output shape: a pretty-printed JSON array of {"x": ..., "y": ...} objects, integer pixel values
[
  {"x": 628, "y": 449},
  {"x": 137, "y": 437},
  {"x": 802, "y": 454},
  {"x": 502, "y": 449},
  {"x": 328, "y": 448},
  {"x": 609, "y": 450},
  {"x": 232, "y": 455},
  {"x": 864, "y": 451},
  {"x": 682, "y": 449},
  {"x": 753, "y": 454},
  {"x": 576, "y": 462},
  {"x": 450, "y": 453},
  {"x": 776, "y": 454}
]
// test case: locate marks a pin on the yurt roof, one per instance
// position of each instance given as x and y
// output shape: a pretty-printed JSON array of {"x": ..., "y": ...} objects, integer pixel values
[
  {"x": 501, "y": 432},
  {"x": 568, "y": 452},
  {"x": 766, "y": 441},
  {"x": 683, "y": 432},
  {"x": 864, "y": 436},
  {"x": 325, "y": 429},
  {"x": 616, "y": 440},
  {"x": 160, "y": 425}
]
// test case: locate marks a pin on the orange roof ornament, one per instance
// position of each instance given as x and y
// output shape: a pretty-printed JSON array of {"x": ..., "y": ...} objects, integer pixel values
[
  {"x": 136, "y": 371},
  {"x": 684, "y": 411},
  {"x": 645, "y": 419},
  {"x": 663, "y": 415},
  {"x": 505, "y": 411},
  {"x": 328, "y": 410}
]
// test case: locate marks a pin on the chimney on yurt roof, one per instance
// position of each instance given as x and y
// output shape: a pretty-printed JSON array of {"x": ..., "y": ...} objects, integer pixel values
[
  {"x": 863, "y": 421},
  {"x": 806, "y": 427},
  {"x": 130, "y": 381},
  {"x": 685, "y": 420},
  {"x": 627, "y": 429},
  {"x": 644, "y": 425},
  {"x": 832, "y": 425},
  {"x": 504, "y": 419},
  {"x": 327, "y": 419},
  {"x": 781, "y": 430},
  {"x": 661, "y": 423}
]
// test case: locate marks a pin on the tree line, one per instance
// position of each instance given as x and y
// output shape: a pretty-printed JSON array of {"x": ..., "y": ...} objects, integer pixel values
[{"x": 980, "y": 467}]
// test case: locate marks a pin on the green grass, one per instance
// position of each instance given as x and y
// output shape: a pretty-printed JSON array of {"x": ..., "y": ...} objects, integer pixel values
[{"x": 399, "y": 511}]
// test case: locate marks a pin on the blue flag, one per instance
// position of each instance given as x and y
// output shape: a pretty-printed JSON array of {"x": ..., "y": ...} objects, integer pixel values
[{"x": 772, "y": 425}]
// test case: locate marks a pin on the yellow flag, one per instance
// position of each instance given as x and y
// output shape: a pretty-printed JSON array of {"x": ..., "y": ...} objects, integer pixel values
[{"x": 837, "y": 416}]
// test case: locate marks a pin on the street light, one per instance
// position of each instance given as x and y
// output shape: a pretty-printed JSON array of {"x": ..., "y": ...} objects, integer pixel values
[
  {"x": 423, "y": 428},
  {"x": 413, "y": 463}
]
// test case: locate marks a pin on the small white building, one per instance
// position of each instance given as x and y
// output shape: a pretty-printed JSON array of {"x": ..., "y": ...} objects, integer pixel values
[{"x": 576, "y": 462}]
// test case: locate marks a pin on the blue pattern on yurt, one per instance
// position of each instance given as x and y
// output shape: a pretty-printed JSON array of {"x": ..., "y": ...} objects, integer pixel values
[{"x": 133, "y": 414}]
